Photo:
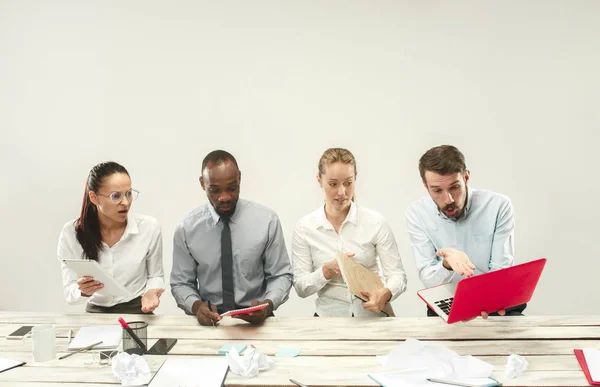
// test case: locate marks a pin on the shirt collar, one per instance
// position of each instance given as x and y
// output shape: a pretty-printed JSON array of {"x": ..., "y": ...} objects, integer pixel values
[
  {"x": 132, "y": 227},
  {"x": 216, "y": 217},
  {"x": 322, "y": 220}
]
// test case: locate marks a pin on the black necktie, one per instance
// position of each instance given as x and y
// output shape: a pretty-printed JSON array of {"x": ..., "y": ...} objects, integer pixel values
[{"x": 227, "y": 266}]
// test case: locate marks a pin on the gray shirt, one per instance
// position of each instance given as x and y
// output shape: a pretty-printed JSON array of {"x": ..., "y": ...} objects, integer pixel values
[{"x": 261, "y": 267}]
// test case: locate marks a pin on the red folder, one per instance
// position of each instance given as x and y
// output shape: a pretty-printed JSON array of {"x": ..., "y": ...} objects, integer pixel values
[{"x": 584, "y": 367}]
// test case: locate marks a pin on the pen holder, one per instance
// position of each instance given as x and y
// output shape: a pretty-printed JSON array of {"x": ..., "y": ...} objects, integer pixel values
[{"x": 140, "y": 328}]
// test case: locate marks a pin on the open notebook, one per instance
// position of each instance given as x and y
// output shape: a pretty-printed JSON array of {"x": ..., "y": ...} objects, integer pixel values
[
  {"x": 589, "y": 360},
  {"x": 110, "y": 335},
  {"x": 190, "y": 371}
]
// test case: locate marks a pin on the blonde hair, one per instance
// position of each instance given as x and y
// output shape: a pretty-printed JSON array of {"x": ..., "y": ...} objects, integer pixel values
[{"x": 337, "y": 155}]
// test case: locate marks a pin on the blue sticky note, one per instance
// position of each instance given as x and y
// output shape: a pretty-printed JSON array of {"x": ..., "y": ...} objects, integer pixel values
[
  {"x": 287, "y": 352},
  {"x": 238, "y": 347}
]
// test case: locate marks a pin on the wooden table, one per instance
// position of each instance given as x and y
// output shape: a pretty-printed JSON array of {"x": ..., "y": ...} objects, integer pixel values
[{"x": 334, "y": 351}]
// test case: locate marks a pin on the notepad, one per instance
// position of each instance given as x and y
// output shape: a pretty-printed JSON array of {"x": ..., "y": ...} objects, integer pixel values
[
  {"x": 110, "y": 335},
  {"x": 589, "y": 360},
  {"x": 244, "y": 310},
  {"x": 287, "y": 352},
  {"x": 7, "y": 364},
  {"x": 191, "y": 371}
]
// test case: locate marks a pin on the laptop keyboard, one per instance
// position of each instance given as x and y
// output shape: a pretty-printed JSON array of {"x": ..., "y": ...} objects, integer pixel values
[{"x": 445, "y": 305}]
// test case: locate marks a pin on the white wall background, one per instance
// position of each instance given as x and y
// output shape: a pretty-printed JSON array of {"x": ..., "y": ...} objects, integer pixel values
[{"x": 156, "y": 85}]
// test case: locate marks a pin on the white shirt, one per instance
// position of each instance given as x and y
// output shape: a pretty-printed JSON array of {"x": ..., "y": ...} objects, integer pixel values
[
  {"x": 485, "y": 233},
  {"x": 135, "y": 260},
  {"x": 364, "y": 233}
]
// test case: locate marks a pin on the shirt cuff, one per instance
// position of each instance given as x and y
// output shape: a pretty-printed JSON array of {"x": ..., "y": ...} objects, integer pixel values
[
  {"x": 319, "y": 278},
  {"x": 189, "y": 302},
  {"x": 155, "y": 283}
]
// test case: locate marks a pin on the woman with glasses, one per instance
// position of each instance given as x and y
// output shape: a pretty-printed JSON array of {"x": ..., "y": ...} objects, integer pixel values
[{"x": 128, "y": 246}]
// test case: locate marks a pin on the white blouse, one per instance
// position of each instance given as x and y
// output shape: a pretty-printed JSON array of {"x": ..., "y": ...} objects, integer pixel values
[
  {"x": 135, "y": 260},
  {"x": 364, "y": 233}
]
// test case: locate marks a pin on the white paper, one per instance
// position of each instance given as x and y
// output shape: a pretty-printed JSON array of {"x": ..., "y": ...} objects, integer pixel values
[
  {"x": 404, "y": 378},
  {"x": 515, "y": 366},
  {"x": 592, "y": 358},
  {"x": 131, "y": 370},
  {"x": 250, "y": 364},
  {"x": 6, "y": 364},
  {"x": 110, "y": 335},
  {"x": 191, "y": 372},
  {"x": 420, "y": 360}
]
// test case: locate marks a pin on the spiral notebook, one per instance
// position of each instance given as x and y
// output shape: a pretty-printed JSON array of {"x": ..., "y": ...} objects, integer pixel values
[{"x": 244, "y": 310}]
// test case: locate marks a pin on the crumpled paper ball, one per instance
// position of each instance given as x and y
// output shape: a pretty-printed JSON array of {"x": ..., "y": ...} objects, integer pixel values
[
  {"x": 515, "y": 366},
  {"x": 131, "y": 370},
  {"x": 250, "y": 364}
]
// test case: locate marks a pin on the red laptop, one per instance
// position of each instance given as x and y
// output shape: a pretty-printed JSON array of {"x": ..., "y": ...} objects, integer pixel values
[{"x": 488, "y": 292}]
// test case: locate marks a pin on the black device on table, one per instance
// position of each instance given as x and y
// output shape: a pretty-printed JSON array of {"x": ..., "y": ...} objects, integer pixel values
[
  {"x": 20, "y": 333},
  {"x": 162, "y": 347}
]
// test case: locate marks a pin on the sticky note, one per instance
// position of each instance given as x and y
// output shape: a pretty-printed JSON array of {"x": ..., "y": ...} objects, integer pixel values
[
  {"x": 238, "y": 347},
  {"x": 287, "y": 352}
]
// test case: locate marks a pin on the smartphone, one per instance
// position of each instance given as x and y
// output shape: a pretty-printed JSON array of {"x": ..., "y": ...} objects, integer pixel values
[
  {"x": 162, "y": 347},
  {"x": 20, "y": 333}
]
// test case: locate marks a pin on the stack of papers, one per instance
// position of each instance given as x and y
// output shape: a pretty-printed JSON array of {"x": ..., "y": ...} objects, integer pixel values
[
  {"x": 191, "y": 371},
  {"x": 110, "y": 335}
]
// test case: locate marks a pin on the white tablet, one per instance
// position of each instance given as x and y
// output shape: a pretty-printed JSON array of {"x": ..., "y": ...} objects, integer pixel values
[{"x": 89, "y": 268}]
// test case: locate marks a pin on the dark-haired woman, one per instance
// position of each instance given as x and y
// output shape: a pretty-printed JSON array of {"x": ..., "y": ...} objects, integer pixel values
[{"x": 128, "y": 246}]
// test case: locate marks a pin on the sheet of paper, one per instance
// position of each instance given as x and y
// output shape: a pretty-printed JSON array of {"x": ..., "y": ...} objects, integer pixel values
[
  {"x": 109, "y": 334},
  {"x": 437, "y": 359},
  {"x": 404, "y": 378},
  {"x": 191, "y": 372},
  {"x": 6, "y": 364},
  {"x": 592, "y": 358},
  {"x": 287, "y": 352}
]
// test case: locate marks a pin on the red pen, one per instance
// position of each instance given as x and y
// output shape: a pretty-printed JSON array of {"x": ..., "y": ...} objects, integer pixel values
[{"x": 132, "y": 334}]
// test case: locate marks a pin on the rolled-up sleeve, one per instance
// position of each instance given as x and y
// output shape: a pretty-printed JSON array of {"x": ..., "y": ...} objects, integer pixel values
[
  {"x": 278, "y": 272},
  {"x": 184, "y": 282}
]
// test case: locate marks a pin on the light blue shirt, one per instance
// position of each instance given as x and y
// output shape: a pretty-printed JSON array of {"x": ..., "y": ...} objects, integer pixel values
[
  {"x": 485, "y": 233},
  {"x": 261, "y": 266}
]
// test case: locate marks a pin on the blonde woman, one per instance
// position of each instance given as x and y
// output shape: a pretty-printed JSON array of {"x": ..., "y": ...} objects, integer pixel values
[{"x": 341, "y": 225}]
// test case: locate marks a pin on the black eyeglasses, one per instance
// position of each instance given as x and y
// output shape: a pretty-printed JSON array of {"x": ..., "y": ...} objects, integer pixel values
[{"x": 117, "y": 197}]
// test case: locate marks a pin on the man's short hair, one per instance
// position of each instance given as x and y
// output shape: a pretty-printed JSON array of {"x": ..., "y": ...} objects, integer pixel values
[
  {"x": 443, "y": 160},
  {"x": 218, "y": 157}
]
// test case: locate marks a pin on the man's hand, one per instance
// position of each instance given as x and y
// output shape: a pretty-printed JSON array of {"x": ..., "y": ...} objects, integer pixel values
[
  {"x": 331, "y": 268},
  {"x": 88, "y": 286},
  {"x": 501, "y": 312},
  {"x": 457, "y": 261},
  {"x": 376, "y": 300},
  {"x": 151, "y": 300},
  {"x": 259, "y": 316},
  {"x": 204, "y": 315}
]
